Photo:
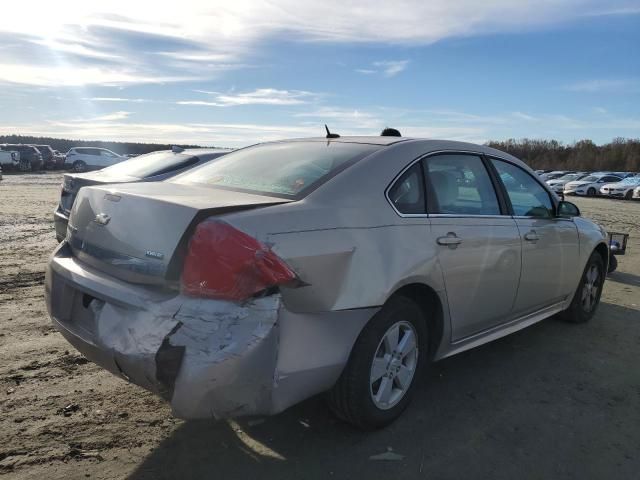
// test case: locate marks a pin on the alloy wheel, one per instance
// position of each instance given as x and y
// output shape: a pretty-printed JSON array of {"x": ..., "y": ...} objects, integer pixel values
[
  {"x": 590, "y": 289},
  {"x": 394, "y": 365}
]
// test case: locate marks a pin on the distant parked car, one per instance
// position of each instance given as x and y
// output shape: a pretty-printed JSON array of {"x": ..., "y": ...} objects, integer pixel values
[
  {"x": 48, "y": 156},
  {"x": 59, "y": 159},
  {"x": 557, "y": 184},
  {"x": 30, "y": 156},
  {"x": 152, "y": 167},
  {"x": 623, "y": 189},
  {"x": 10, "y": 159},
  {"x": 555, "y": 174},
  {"x": 589, "y": 185},
  {"x": 81, "y": 159}
]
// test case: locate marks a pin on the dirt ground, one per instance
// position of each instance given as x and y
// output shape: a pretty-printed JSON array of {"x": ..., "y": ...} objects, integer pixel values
[{"x": 553, "y": 401}]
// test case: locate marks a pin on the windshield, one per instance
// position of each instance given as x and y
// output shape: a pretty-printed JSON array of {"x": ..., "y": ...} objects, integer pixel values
[
  {"x": 287, "y": 169},
  {"x": 590, "y": 178},
  {"x": 570, "y": 176},
  {"x": 151, "y": 164},
  {"x": 631, "y": 180}
]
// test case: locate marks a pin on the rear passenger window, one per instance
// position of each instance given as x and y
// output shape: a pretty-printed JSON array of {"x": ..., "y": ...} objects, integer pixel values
[
  {"x": 407, "y": 194},
  {"x": 461, "y": 185},
  {"x": 528, "y": 197}
]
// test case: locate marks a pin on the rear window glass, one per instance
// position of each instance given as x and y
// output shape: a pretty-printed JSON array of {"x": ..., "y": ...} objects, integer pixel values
[
  {"x": 151, "y": 164},
  {"x": 287, "y": 169}
]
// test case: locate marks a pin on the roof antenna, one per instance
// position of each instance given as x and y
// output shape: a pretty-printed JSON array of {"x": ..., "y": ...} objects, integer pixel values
[{"x": 329, "y": 134}]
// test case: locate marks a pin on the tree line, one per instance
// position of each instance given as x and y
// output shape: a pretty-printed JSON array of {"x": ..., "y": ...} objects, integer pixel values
[{"x": 622, "y": 154}]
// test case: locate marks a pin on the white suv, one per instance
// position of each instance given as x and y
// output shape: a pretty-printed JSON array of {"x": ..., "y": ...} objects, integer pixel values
[{"x": 85, "y": 158}]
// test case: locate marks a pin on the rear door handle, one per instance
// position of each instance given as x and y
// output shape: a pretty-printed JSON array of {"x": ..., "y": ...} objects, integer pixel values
[
  {"x": 450, "y": 240},
  {"x": 531, "y": 236}
]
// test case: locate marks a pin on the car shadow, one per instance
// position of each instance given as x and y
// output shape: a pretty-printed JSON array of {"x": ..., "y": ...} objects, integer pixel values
[
  {"x": 546, "y": 402},
  {"x": 626, "y": 278}
]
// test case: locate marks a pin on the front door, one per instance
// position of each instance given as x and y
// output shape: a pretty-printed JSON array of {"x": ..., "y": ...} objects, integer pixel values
[{"x": 550, "y": 247}]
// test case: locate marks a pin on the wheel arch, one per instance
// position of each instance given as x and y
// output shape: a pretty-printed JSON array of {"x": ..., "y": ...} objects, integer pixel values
[
  {"x": 431, "y": 305},
  {"x": 603, "y": 250}
]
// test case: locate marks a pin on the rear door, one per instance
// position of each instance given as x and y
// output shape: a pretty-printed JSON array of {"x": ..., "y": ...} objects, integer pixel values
[
  {"x": 478, "y": 242},
  {"x": 550, "y": 248}
]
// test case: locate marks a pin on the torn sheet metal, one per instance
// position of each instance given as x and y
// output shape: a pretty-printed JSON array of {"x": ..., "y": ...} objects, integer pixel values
[{"x": 209, "y": 358}]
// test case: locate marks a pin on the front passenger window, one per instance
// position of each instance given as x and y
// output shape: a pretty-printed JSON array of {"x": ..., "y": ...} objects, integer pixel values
[{"x": 528, "y": 197}]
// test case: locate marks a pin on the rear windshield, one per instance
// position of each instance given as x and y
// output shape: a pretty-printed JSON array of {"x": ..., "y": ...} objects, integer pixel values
[
  {"x": 284, "y": 169},
  {"x": 151, "y": 164}
]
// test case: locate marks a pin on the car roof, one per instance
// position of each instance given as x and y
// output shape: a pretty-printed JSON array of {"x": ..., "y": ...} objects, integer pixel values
[
  {"x": 430, "y": 144},
  {"x": 427, "y": 145},
  {"x": 196, "y": 151},
  {"x": 371, "y": 140}
]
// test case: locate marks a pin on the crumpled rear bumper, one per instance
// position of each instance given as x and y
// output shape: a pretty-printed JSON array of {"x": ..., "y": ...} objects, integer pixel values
[{"x": 208, "y": 358}]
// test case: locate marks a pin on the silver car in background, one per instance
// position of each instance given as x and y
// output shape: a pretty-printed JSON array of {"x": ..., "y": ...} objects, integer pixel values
[
  {"x": 152, "y": 167},
  {"x": 622, "y": 189},
  {"x": 340, "y": 265},
  {"x": 557, "y": 184}
]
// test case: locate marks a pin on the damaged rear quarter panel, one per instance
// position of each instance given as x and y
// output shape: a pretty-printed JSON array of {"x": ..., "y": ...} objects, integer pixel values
[{"x": 354, "y": 260}]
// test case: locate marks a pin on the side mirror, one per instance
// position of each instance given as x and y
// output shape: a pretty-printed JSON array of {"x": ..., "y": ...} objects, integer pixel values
[{"x": 568, "y": 209}]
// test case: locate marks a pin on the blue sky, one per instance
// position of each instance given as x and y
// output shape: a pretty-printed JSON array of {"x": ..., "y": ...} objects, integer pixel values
[{"x": 234, "y": 73}]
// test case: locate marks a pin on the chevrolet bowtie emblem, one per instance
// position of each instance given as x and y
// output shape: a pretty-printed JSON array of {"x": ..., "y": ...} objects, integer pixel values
[{"x": 102, "y": 219}]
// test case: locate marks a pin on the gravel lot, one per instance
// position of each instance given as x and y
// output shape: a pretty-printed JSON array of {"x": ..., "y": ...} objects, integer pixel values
[{"x": 552, "y": 401}]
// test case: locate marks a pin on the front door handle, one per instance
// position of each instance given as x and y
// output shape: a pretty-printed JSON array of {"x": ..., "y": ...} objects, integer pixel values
[
  {"x": 450, "y": 240},
  {"x": 531, "y": 236}
]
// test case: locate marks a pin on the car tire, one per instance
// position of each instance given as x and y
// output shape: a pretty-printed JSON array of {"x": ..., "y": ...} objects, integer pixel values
[
  {"x": 591, "y": 192},
  {"x": 378, "y": 381},
  {"x": 79, "y": 166},
  {"x": 628, "y": 195},
  {"x": 587, "y": 297}
]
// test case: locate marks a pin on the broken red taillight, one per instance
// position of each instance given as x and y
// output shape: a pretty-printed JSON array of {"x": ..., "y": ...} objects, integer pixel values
[{"x": 224, "y": 263}]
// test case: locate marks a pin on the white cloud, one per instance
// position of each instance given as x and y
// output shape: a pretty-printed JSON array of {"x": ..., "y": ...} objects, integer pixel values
[
  {"x": 523, "y": 116},
  {"x": 614, "y": 11},
  {"x": 80, "y": 42},
  {"x": 352, "y": 119},
  {"x": 115, "y": 116},
  {"x": 71, "y": 76},
  {"x": 260, "y": 96},
  {"x": 605, "y": 85},
  {"x": 391, "y": 68},
  {"x": 117, "y": 99},
  {"x": 201, "y": 103},
  {"x": 388, "y": 68}
]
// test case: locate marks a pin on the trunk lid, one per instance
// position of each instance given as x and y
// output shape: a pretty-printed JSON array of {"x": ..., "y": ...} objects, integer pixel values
[
  {"x": 72, "y": 183},
  {"x": 138, "y": 231}
]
